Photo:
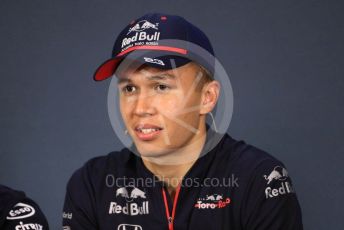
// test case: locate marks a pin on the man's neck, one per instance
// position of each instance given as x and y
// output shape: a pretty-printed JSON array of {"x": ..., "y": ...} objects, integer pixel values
[{"x": 183, "y": 159}]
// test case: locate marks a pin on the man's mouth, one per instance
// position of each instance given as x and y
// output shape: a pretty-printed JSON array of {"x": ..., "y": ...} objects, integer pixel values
[{"x": 147, "y": 132}]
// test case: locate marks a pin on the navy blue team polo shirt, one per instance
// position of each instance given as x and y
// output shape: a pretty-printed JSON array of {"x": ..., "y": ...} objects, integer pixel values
[{"x": 235, "y": 186}]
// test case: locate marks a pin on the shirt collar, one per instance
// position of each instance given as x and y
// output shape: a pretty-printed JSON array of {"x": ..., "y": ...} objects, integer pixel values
[{"x": 199, "y": 168}]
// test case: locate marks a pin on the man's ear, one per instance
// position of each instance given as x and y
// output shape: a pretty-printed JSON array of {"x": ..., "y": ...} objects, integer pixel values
[{"x": 210, "y": 96}]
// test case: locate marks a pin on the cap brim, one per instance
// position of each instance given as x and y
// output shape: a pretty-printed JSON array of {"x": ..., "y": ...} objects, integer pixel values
[
  {"x": 107, "y": 69},
  {"x": 171, "y": 57}
]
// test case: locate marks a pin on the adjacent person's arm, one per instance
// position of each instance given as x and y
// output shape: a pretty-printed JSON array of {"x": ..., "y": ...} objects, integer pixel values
[{"x": 26, "y": 214}]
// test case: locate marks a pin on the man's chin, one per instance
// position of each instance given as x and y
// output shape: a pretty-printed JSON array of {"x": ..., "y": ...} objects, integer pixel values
[
  {"x": 152, "y": 153},
  {"x": 163, "y": 157}
]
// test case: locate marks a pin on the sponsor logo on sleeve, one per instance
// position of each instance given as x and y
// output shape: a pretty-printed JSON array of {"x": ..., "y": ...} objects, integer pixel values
[
  {"x": 67, "y": 215},
  {"x": 129, "y": 227},
  {"x": 29, "y": 226},
  {"x": 135, "y": 203},
  {"x": 214, "y": 201},
  {"x": 21, "y": 211},
  {"x": 278, "y": 174}
]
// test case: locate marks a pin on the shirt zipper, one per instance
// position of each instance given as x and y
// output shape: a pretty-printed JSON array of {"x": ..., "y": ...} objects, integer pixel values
[{"x": 170, "y": 218}]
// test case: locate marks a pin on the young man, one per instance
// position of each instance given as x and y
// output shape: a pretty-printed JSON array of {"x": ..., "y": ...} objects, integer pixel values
[
  {"x": 170, "y": 178},
  {"x": 18, "y": 212}
]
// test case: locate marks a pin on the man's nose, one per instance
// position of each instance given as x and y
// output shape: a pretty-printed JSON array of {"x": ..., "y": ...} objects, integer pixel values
[{"x": 144, "y": 105}]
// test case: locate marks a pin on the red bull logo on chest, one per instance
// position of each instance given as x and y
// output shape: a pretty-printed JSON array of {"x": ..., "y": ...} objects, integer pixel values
[{"x": 135, "y": 202}]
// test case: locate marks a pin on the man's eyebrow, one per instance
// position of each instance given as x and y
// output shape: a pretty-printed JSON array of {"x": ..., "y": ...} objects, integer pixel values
[
  {"x": 162, "y": 76},
  {"x": 159, "y": 76},
  {"x": 123, "y": 80}
]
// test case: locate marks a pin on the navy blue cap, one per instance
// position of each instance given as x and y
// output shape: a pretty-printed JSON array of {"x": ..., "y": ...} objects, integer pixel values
[{"x": 159, "y": 39}]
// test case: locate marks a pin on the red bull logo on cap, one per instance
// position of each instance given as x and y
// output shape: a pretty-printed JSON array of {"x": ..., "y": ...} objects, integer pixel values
[
  {"x": 141, "y": 37},
  {"x": 143, "y": 25}
]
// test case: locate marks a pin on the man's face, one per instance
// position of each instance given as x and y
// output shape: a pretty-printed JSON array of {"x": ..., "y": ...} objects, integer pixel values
[{"x": 161, "y": 108}]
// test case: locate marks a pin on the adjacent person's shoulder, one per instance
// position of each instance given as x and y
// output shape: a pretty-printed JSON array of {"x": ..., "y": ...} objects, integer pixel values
[
  {"x": 17, "y": 211},
  {"x": 8, "y": 196},
  {"x": 8, "y": 199}
]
